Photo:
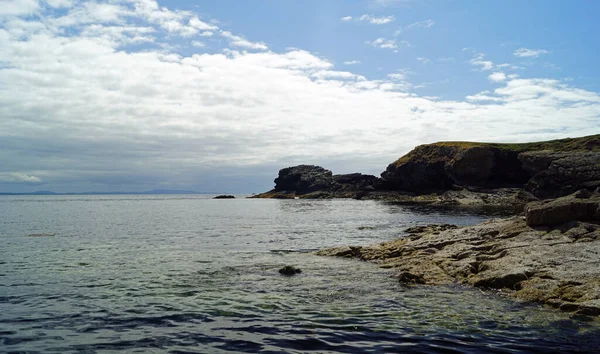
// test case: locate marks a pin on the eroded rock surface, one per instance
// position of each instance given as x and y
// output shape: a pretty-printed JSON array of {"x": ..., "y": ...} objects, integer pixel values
[
  {"x": 558, "y": 265},
  {"x": 558, "y": 174},
  {"x": 582, "y": 205}
]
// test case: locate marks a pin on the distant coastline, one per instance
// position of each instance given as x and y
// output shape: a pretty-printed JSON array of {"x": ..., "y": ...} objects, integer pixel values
[{"x": 151, "y": 192}]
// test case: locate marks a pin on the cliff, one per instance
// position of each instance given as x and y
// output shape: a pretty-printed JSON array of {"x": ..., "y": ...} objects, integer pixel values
[
  {"x": 546, "y": 169},
  {"x": 459, "y": 173}
]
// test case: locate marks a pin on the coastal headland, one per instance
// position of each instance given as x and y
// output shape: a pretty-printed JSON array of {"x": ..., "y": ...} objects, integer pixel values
[{"x": 547, "y": 252}]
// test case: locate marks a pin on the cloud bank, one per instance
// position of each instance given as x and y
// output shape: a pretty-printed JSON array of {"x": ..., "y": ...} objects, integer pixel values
[{"x": 97, "y": 97}]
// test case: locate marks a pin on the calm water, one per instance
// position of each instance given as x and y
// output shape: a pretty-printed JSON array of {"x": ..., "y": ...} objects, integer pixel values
[{"x": 190, "y": 274}]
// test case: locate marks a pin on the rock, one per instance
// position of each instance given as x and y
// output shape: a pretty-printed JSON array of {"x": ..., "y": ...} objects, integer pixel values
[
  {"x": 407, "y": 278},
  {"x": 445, "y": 166},
  {"x": 559, "y": 174},
  {"x": 315, "y": 182},
  {"x": 224, "y": 196},
  {"x": 304, "y": 179},
  {"x": 561, "y": 210},
  {"x": 554, "y": 265},
  {"x": 289, "y": 270},
  {"x": 356, "y": 182}
]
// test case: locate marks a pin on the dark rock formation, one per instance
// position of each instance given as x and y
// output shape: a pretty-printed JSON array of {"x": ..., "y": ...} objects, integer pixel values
[
  {"x": 356, "y": 182},
  {"x": 289, "y": 270},
  {"x": 224, "y": 196},
  {"x": 459, "y": 173},
  {"x": 582, "y": 205},
  {"x": 558, "y": 174},
  {"x": 315, "y": 182},
  {"x": 546, "y": 169},
  {"x": 443, "y": 165},
  {"x": 303, "y": 179}
]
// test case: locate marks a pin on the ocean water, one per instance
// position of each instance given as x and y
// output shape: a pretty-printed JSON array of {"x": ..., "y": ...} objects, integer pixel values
[{"x": 189, "y": 274}]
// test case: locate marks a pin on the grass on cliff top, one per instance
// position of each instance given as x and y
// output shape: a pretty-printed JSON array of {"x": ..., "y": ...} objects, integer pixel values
[{"x": 586, "y": 143}]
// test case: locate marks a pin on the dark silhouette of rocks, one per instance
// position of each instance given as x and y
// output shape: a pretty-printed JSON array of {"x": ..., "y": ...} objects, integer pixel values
[
  {"x": 558, "y": 174},
  {"x": 461, "y": 174},
  {"x": 224, "y": 196},
  {"x": 309, "y": 181},
  {"x": 289, "y": 270}
]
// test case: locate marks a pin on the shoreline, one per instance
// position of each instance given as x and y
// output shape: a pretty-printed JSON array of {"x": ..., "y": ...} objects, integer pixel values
[{"x": 555, "y": 265}]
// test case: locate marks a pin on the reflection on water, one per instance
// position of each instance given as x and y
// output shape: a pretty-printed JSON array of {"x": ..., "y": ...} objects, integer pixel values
[{"x": 196, "y": 275}]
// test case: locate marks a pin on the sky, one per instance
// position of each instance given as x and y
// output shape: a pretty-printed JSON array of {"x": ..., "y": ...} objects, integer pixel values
[{"x": 217, "y": 96}]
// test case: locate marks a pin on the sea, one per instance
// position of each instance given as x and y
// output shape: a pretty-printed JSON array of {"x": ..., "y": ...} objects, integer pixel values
[{"x": 192, "y": 274}]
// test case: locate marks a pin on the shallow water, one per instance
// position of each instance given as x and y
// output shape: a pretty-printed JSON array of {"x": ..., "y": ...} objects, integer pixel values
[{"x": 191, "y": 274}]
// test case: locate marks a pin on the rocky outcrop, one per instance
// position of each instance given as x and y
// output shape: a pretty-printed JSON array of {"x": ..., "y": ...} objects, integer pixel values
[
  {"x": 303, "y": 179},
  {"x": 545, "y": 169},
  {"x": 556, "y": 174},
  {"x": 441, "y": 166},
  {"x": 309, "y": 181},
  {"x": 224, "y": 196},
  {"x": 555, "y": 265},
  {"x": 459, "y": 173},
  {"x": 582, "y": 205}
]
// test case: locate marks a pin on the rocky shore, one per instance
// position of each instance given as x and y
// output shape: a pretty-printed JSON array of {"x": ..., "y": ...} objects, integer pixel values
[
  {"x": 547, "y": 252},
  {"x": 550, "y": 255},
  {"x": 460, "y": 174}
]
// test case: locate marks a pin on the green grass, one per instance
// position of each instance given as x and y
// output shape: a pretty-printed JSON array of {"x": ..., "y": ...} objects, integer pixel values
[
  {"x": 586, "y": 143},
  {"x": 445, "y": 150}
]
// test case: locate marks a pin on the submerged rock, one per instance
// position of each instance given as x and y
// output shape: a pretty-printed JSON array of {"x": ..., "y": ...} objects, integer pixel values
[
  {"x": 289, "y": 270},
  {"x": 224, "y": 196}
]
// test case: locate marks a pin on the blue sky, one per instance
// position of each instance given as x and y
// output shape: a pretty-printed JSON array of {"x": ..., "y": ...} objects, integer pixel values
[{"x": 218, "y": 95}]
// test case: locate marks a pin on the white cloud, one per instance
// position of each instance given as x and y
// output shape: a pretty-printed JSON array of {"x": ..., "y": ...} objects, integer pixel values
[
  {"x": 346, "y": 19},
  {"x": 60, "y": 3},
  {"x": 388, "y": 43},
  {"x": 479, "y": 61},
  {"x": 238, "y": 41},
  {"x": 18, "y": 177},
  {"x": 497, "y": 77},
  {"x": 352, "y": 62},
  {"x": 18, "y": 7},
  {"x": 206, "y": 34},
  {"x": 529, "y": 53},
  {"x": 98, "y": 115},
  {"x": 195, "y": 22},
  {"x": 424, "y": 60},
  {"x": 198, "y": 44},
  {"x": 422, "y": 24},
  {"x": 483, "y": 97},
  {"x": 377, "y": 20}
]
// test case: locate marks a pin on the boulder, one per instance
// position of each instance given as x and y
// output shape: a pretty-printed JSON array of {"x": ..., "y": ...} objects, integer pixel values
[
  {"x": 580, "y": 206},
  {"x": 224, "y": 196},
  {"x": 559, "y": 174},
  {"x": 289, "y": 270}
]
